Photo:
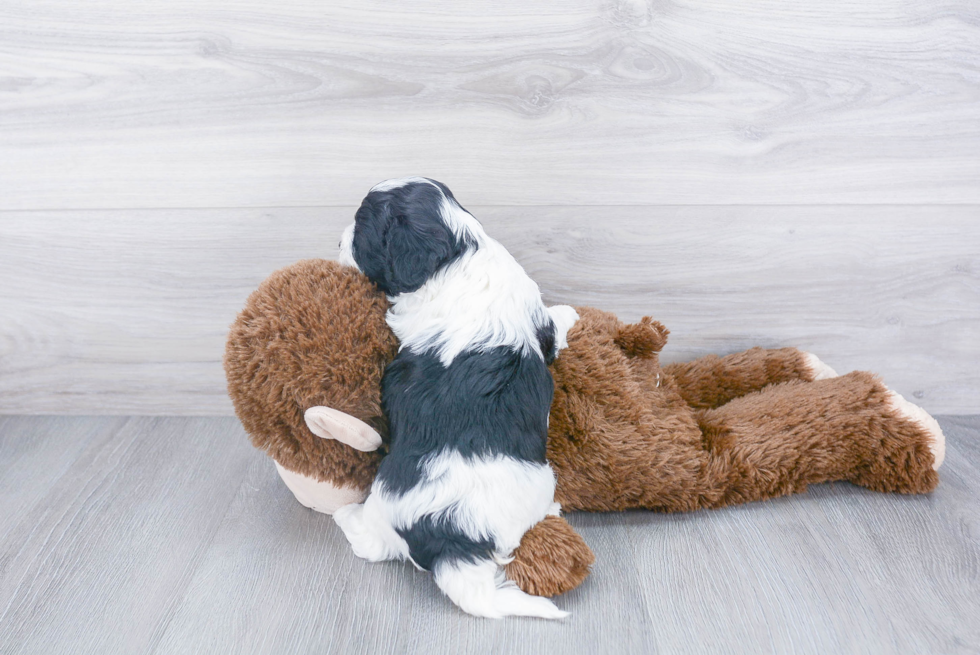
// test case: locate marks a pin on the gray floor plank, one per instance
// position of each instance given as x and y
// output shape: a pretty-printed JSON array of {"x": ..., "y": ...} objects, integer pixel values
[
  {"x": 568, "y": 102},
  {"x": 102, "y": 559},
  {"x": 172, "y": 535},
  {"x": 34, "y": 454},
  {"x": 126, "y": 312},
  {"x": 277, "y": 579}
]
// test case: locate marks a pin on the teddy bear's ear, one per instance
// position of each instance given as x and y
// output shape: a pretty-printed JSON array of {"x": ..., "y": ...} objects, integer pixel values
[
  {"x": 329, "y": 423},
  {"x": 643, "y": 339}
]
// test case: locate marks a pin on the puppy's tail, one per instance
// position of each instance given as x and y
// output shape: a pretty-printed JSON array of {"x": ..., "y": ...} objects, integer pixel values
[{"x": 480, "y": 589}]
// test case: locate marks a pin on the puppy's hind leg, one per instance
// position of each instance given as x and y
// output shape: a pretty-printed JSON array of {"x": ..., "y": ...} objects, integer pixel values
[
  {"x": 480, "y": 589},
  {"x": 371, "y": 536}
]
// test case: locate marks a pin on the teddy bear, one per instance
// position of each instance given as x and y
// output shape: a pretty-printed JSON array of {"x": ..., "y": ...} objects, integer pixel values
[{"x": 305, "y": 357}]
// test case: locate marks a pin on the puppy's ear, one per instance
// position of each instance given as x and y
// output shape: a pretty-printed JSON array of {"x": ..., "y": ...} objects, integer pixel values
[{"x": 417, "y": 248}]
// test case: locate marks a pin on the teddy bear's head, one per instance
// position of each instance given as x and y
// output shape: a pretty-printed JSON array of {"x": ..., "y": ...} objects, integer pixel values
[{"x": 313, "y": 333}]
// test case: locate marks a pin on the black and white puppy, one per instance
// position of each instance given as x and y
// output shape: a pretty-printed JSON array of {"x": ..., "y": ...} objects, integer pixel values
[{"x": 467, "y": 397}]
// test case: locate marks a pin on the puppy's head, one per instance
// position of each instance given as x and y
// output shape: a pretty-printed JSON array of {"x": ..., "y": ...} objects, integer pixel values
[{"x": 405, "y": 231}]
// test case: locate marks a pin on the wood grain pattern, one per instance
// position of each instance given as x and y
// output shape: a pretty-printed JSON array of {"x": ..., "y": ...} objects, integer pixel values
[
  {"x": 576, "y": 102},
  {"x": 173, "y": 535},
  {"x": 126, "y": 312},
  {"x": 99, "y": 562},
  {"x": 34, "y": 455}
]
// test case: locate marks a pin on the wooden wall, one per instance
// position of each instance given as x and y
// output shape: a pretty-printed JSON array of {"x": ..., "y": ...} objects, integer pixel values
[{"x": 749, "y": 173}]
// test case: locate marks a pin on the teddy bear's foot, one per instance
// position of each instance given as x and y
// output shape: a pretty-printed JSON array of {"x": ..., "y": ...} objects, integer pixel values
[
  {"x": 818, "y": 370},
  {"x": 320, "y": 496},
  {"x": 329, "y": 423},
  {"x": 919, "y": 416}
]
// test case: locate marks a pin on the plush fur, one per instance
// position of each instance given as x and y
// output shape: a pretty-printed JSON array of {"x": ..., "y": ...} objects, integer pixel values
[
  {"x": 312, "y": 334},
  {"x": 467, "y": 398},
  {"x": 624, "y": 432},
  {"x": 716, "y": 431},
  {"x": 551, "y": 559}
]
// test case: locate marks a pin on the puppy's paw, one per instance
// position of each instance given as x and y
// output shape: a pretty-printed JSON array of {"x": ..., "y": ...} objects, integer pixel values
[
  {"x": 817, "y": 369},
  {"x": 564, "y": 317},
  {"x": 914, "y": 413},
  {"x": 369, "y": 540},
  {"x": 329, "y": 423}
]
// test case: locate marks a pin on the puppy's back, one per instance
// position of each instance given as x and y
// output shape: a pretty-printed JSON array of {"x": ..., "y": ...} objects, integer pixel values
[{"x": 483, "y": 404}]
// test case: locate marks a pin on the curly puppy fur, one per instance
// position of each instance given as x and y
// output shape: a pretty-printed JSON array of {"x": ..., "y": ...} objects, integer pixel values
[{"x": 624, "y": 433}]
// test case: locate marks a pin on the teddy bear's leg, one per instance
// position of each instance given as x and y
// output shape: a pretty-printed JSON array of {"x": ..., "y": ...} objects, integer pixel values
[
  {"x": 785, "y": 437},
  {"x": 713, "y": 381}
]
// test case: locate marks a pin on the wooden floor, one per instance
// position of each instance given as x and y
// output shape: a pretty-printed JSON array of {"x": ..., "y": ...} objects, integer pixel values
[{"x": 172, "y": 535}]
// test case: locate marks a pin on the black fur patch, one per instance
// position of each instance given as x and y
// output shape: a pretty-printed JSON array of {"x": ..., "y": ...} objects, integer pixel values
[
  {"x": 400, "y": 239},
  {"x": 485, "y": 403},
  {"x": 546, "y": 339},
  {"x": 431, "y": 540}
]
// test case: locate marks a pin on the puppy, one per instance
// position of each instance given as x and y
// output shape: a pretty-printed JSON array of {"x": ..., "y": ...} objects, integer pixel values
[{"x": 467, "y": 398}]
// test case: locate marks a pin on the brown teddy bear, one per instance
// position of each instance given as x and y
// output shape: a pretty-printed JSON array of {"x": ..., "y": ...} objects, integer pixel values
[{"x": 304, "y": 362}]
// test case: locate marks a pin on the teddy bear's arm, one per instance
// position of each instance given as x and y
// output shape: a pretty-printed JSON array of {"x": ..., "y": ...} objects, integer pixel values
[{"x": 713, "y": 381}]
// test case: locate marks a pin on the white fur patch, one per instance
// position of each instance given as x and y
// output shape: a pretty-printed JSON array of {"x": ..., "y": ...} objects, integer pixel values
[
  {"x": 482, "y": 300},
  {"x": 564, "y": 317},
  {"x": 818, "y": 369},
  {"x": 460, "y": 221},
  {"x": 347, "y": 247},
  {"x": 370, "y": 535},
  {"x": 496, "y": 498},
  {"x": 397, "y": 182},
  {"x": 479, "y": 588}
]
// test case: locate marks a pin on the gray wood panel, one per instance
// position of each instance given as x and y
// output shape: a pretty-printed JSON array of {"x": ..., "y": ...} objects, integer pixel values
[
  {"x": 301, "y": 103},
  {"x": 34, "y": 455},
  {"x": 173, "y": 535},
  {"x": 126, "y": 312},
  {"x": 99, "y": 562}
]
